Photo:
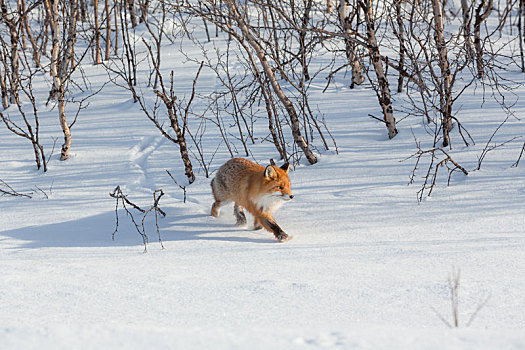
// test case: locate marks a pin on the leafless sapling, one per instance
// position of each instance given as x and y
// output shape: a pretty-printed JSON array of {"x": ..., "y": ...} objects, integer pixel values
[
  {"x": 446, "y": 75},
  {"x": 13, "y": 24},
  {"x": 346, "y": 17},
  {"x": 246, "y": 35},
  {"x": 453, "y": 287},
  {"x": 97, "y": 32},
  {"x": 438, "y": 158},
  {"x": 121, "y": 198},
  {"x": 385, "y": 100},
  {"x": 481, "y": 14},
  {"x": 521, "y": 32},
  {"x": 25, "y": 122},
  {"x": 62, "y": 61},
  {"x": 132, "y": 13}
]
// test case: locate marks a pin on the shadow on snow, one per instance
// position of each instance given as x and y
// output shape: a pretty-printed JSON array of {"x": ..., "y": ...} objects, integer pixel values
[{"x": 96, "y": 231}]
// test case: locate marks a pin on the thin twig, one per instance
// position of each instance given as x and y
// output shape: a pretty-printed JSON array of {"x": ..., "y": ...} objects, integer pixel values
[
  {"x": 11, "y": 191},
  {"x": 183, "y": 188},
  {"x": 519, "y": 158},
  {"x": 432, "y": 172}
]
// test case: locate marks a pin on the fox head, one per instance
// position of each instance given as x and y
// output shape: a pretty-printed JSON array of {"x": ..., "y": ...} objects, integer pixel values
[{"x": 277, "y": 183}]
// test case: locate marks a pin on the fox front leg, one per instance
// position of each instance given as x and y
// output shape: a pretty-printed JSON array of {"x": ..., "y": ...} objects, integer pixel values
[
  {"x": 257, "y": 224},
  {"x": 272, "y": 226}
]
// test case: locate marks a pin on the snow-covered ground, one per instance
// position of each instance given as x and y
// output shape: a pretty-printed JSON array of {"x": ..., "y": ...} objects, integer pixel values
[{"x": 368, "y": 267}]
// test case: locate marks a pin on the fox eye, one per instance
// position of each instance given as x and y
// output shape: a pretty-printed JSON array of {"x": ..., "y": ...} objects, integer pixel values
[{"x": 280, "y": 187}]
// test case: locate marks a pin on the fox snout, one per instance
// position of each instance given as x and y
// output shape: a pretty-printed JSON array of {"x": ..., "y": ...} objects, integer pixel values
[{"x": 287, "y": 196}]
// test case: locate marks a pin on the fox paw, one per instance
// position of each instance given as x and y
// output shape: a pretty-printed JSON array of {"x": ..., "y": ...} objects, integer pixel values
[
  {"x": 257, "y": 227},
  {"x": 283, "y": 237}
]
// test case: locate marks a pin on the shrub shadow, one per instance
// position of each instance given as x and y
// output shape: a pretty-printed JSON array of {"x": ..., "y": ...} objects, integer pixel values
[{"x": 96, "y": 231}]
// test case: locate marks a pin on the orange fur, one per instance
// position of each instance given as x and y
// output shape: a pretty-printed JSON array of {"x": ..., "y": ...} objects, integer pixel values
[{"x": 258, "y": 189}]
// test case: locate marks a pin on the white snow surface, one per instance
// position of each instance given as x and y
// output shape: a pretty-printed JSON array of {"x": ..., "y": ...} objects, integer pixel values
[{"x": 367, "y": 268}]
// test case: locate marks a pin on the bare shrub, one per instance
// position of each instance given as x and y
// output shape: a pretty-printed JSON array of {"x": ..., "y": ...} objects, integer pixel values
[
  {"x": 127, "y": 204},
  {"x": 453, "y": 287}
]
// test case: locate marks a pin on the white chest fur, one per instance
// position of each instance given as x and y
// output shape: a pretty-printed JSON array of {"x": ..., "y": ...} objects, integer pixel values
[{"x": 270, "y": 202}]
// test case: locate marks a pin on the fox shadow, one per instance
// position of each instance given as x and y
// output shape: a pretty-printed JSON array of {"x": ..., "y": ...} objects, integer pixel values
[
  {"x": 206, "y": 227},
  {"x": 99, "y": 231}
]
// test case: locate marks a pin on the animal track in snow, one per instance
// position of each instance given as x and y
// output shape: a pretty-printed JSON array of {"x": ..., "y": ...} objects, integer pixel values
[{"x": 139, "y": 155}]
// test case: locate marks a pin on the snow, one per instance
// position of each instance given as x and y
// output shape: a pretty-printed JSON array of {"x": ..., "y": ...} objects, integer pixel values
[{"x": 367, "y": 268}]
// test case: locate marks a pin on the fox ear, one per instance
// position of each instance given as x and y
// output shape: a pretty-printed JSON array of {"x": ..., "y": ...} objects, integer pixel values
[
  {"x": 269, "y": 172},
  {"x": 286, "y": 167}
]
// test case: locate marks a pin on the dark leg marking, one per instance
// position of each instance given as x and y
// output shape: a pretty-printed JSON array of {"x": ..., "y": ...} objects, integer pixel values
[
  {"x": 239, "y": 214},
  {"x": 277, "y": 231}
]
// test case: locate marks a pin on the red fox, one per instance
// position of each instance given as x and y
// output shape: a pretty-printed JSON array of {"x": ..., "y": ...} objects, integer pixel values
[{"x": 258, "y": 189}]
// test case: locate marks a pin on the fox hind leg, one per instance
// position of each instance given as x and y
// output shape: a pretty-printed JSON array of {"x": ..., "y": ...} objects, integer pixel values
[
  {"x": 220, "y": 199},
  {"x": 239, "y": 214},
  {"x": 215, "y": 209}
]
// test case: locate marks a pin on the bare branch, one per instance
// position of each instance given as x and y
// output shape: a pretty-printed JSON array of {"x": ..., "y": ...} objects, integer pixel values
[{"x": 10, "y": 191}]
